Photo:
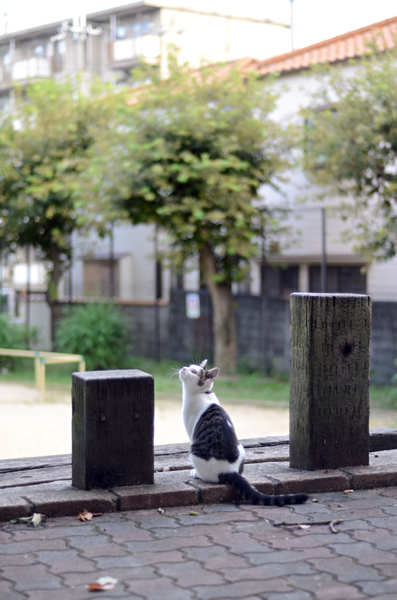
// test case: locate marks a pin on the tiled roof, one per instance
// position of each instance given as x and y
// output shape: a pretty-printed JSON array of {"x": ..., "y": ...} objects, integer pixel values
[
  {"x": 340, "y": 48},
  {"x": 337, "y": 49}
]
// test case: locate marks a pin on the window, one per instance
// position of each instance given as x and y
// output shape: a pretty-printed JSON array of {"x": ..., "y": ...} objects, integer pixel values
[
  {"x": 319, "y": 160},
  {"x": 60, "y": 47},
  {"x": 4, "y": 104},
  {"x": 101, "y": 278},
  {"x": 39, "y": 50},
  {"x": 141, "y": 28},
  {"x": 134, "y": 30},
  {"x": 281, "y": 281},
  {"x": 340, "y": 279},
  {"x": 121, "y": 33}
]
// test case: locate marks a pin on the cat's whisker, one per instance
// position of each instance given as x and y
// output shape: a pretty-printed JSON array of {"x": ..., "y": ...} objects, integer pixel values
[{"x": 173, "y": 372}]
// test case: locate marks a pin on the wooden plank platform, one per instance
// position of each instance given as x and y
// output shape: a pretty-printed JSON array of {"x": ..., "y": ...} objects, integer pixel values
[{"x": 37, "y": 471}]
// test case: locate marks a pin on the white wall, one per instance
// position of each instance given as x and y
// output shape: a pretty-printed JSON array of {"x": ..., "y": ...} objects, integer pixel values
[
  {"x": 218, "y": 39},
  {"x": 302, "y": 197}
]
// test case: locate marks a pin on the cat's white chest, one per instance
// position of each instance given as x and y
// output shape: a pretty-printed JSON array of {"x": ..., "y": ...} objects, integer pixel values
[{"x": 193, "y": 407}]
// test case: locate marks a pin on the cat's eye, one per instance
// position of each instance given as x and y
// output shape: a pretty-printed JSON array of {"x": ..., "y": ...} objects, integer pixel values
[{"x": 193, "y": 371}]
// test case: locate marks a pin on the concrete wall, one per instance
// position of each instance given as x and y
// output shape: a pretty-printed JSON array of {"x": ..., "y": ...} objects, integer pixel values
[
  {"x": 147, "y": 327},
  {"x": 217, "y": 39},
  {"x": 383, "y": 341},
  {"x": 166, "y": 332},
  {"x": 191, "y": 339}
]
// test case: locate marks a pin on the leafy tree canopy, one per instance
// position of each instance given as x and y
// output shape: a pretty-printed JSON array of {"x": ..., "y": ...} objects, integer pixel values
[
  {"x": 191, "y": 154},
  {"x": 351, "y": 147},
  {"x": 44, "y": 148},
  {"x": 195, "y": 150}
]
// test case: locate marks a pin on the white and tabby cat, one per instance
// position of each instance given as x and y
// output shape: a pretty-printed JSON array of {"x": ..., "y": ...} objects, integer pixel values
[{"x": 216, "y": 454}]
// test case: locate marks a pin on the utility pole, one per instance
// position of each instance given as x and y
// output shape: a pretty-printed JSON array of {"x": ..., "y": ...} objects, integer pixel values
[
  {"x": 79, "y": 32},
  {"x": 323, "y": 250},
  {"x": 292, "y": 24}
]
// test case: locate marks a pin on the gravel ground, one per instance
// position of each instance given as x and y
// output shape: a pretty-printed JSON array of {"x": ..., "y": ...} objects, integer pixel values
[{"x": 30, "y": 426}]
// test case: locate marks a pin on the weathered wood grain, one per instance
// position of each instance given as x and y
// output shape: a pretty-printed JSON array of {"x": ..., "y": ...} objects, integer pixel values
[
  {"x": 329, "y": 380},
  {"x": 112, "y": 429}
]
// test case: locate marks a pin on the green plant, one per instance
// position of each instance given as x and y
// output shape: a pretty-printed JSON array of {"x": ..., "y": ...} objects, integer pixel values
[
  {"x": 97, "y": 331},
  {"x": 16, "y": 337}
]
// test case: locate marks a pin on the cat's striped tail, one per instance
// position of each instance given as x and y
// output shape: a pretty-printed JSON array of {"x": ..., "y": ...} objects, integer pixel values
[{"x": 250, "y": 495}]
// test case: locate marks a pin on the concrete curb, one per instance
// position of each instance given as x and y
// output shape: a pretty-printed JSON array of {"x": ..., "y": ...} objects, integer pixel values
[{"x": 176, "y": 488}]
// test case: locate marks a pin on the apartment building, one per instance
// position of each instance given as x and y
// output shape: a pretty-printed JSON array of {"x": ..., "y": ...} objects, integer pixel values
[{"x": 111, "y": 42}]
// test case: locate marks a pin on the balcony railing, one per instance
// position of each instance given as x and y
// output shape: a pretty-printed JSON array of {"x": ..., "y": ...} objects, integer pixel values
[{"x": 146, "y": 46}]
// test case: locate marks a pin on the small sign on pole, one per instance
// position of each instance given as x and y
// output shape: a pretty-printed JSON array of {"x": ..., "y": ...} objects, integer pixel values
[{"x": 193, "y": 305}]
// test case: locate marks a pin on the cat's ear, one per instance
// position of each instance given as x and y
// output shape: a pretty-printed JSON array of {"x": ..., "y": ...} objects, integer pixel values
[
  {"x": 212, "y": 373},
  {"x": 203, "y": 365}
]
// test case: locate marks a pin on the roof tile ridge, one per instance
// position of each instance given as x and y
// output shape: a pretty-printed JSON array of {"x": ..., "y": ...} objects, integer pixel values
[{"x": 343, "y": 36}]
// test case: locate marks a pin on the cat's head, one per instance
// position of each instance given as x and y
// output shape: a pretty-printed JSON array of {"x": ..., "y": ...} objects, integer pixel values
[{"x": 198, "y": 378}]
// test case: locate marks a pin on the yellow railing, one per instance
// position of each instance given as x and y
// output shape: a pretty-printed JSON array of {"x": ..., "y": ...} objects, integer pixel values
[{"x": 41, "y": 359}]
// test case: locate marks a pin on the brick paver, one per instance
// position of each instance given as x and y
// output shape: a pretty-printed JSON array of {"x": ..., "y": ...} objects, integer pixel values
[{"x": 207, "y": 552}]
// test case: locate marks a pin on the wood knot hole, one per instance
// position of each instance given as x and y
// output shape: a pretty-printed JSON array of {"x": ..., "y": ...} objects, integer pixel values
[{"x": 347, "y": 349}]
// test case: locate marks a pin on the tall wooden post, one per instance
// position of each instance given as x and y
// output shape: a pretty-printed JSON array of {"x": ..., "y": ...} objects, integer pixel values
[
  {"x": 112, "y": 429},
  {"x": 329, "y": 380}
]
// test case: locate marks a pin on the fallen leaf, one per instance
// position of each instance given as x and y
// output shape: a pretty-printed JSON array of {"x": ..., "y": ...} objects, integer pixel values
[
  {"x": 349, "y": 491},
  {"x": 102, "y": 584},
  {"x": 34, "y": 520},
  {"x": 85, "y": 515},
  {"x": 193, "y": 513},
  {"x": 305, "y": 526},
  {"x": 26, "y": 520},
  {"x": 160, "y": 510},
  {"x": 37, "y": 518}
]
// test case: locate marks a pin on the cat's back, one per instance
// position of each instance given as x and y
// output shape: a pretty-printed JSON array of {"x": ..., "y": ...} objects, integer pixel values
[{"x": 214, "y": 435}]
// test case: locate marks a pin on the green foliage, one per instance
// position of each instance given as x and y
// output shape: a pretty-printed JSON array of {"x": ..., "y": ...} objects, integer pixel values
[
  {"x": 351, "y": 147},
  {"x": 15, "y": 337},
  {"x": 44, "y": 152},
  {"x": 191, "y": 156},
  {"x": 97, "y": 331}
]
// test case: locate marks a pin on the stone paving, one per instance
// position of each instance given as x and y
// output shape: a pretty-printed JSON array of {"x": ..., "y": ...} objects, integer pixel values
[{"x": 338, "y": 546}]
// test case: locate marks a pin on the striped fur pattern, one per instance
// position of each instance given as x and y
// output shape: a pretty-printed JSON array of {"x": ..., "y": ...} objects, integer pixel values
[{"x": 216, "y": 454}]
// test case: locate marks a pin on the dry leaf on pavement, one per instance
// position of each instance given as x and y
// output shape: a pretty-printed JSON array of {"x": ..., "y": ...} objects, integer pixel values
[
  {"x": 34, "y": 520},
  {"x": 102, "y": 584},
  {"x": 85, "y": 515}
]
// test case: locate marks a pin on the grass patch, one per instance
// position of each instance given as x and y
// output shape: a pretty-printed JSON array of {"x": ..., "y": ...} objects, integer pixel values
[
  {"x": 383, "y": 397},
  {"x": 253, "y": 386},
  {"x": 240, "y": 387}
]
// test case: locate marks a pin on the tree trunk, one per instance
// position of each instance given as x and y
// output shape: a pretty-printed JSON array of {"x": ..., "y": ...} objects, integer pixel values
[
  {"x": 54, "y": 277},
  {"x": 223, "y": 320}
]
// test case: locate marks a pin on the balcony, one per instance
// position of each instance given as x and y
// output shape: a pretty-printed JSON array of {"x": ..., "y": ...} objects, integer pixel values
[
  {"x": 30, "y": 68},
  {"x": 127, "y": 52}
]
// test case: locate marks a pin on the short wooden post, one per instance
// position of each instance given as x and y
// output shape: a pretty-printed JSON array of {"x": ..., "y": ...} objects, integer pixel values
[
  {"x": 112, "y": 429},
  {"x": 329, "y": 380}
]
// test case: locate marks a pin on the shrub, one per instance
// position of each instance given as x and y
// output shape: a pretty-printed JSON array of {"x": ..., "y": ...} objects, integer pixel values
[
  {"x": 97, "y": 331},
  {"x": 15, "y": 337}
]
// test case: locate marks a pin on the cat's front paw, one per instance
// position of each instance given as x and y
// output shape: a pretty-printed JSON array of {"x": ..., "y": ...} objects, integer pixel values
[{"x": 193, "y": 473}]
